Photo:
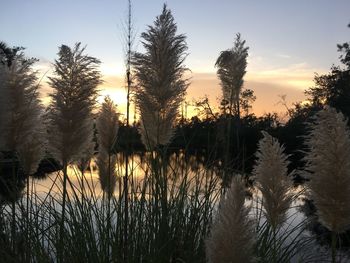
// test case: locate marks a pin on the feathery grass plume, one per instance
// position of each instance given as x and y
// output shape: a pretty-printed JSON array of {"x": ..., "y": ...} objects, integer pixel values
[
  {"x": 19, "y": 117},
  {"x": 159, "y": 74},
  {"x": 232, "y": 234},
  {"x": 70, "y": 124},
  {"x": 328, "y": 168},
  {"x": 157, "y": 126},
  {"x": 231, "y": 68},
  {"x": 273, "y": 181},
  {"x": 32, "y": 151},
  {"x": 107, "y": 128},
  {"x": 20, "y": 110},
  {"x": 232, "y": 64},
  {"x": 69, "y": 116}
]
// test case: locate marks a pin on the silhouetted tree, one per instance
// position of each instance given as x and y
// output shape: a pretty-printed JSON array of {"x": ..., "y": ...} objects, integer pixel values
[
  {"x": 333, "y": 88},
  {"x": 8, "y": 54},
  {"x": 247, "y": 97},
  {"x": 345, "y": 49}
]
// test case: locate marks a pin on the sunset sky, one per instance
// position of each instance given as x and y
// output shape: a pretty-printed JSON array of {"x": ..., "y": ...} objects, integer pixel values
[{"x": 289, "y": 40}]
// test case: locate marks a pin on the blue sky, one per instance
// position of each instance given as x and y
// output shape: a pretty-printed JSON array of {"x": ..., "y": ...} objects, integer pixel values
[{"x": 288, "y": 40}]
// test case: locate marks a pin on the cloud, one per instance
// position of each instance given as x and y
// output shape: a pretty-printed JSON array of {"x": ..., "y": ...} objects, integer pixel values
[
  {"x": 283, "y": 56},
  {"x": 112, "y": 69},
  {"x": 299, "y": 75}
]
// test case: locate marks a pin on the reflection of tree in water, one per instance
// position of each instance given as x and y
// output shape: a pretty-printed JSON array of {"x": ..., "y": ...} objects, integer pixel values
[
  {"x": 47, "y": 166},
  {"x": 178, "y": 160},
  {"x": 321, "y": 233},
  {"x": 13, "y": 179}
]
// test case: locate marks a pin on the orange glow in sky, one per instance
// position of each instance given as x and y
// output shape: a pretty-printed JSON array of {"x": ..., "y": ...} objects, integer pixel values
[{"x": 267, "y": 85}]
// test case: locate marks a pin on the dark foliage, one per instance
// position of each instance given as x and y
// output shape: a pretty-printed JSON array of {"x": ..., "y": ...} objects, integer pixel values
[
  {"x": 128, "y": 140},
  {"x": 333, "y": 88},
  {"x": 321, "y": 233},
  {"x": 46, "y": 166},
  {"x": 8, "y": 54},
  {"x": 12, "y": 178}
]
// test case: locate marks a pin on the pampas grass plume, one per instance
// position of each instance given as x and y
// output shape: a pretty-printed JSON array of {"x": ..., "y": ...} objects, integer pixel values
[
  {"x": 32, "y": 151},
  {"x": 232, "y": 234},
  {"x": 156, "y": 128},
  {"x": 159, "y": 74},
  {"x": 328, "y": 167},
  {"x": 20, "y": 112},
  {"x": 70, "y": 121},
  {"x": 271, "y": 174}
]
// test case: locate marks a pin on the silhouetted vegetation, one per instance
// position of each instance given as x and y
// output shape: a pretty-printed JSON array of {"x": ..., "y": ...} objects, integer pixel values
[
  {"x": 187, "y": 164},
  {"x": 321, "y": 233}
]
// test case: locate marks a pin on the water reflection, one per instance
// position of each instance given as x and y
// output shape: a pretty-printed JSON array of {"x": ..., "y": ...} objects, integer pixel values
[
  {"x": 12, "y": 179},
  {"x": 178, "y": 166}
]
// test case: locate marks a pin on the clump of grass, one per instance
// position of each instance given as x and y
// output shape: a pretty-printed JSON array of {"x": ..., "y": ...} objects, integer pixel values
[{"x": 93, "y": 237}]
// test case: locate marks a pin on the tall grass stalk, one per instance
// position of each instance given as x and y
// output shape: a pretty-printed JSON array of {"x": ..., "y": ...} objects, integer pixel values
[
  {"x": 274, "y": 183},
  {"x": 231, "y": 65},
  {"x": 126, "y": 180},
  {"x": 160, "y": 89},
  {"x": 69, "y": 120},
  {"x": 129, "y": 35}
]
